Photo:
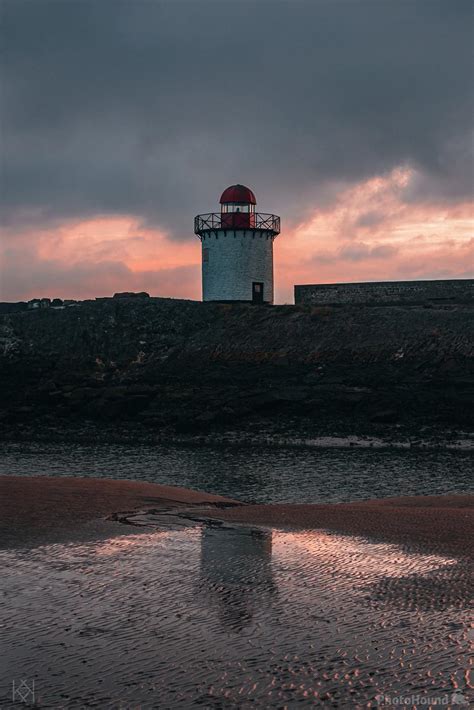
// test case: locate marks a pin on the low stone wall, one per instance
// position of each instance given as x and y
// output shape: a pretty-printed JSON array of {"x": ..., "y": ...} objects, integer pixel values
[{"x": 383, "y": 293}]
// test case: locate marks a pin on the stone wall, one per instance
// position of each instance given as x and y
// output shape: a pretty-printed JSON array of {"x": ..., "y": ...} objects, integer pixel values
[{"x": 383, "y": 293}]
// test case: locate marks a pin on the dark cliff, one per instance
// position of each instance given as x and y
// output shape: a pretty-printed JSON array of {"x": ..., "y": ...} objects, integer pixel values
[{"x": 187, "y": 366}]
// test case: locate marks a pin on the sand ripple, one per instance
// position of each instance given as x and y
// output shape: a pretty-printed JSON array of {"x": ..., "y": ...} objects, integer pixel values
[{"x": 232, "y": 617}]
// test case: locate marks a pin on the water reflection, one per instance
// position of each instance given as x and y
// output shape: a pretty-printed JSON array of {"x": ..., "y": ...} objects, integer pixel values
[
  {"x": 222, "y": 617},
  {"x": 236, "y": 572}
]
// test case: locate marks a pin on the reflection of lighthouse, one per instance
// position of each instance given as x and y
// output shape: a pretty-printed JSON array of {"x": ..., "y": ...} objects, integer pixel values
[
  {"x": 236, "y": 571},
  {"x": 237, "y": 249}
]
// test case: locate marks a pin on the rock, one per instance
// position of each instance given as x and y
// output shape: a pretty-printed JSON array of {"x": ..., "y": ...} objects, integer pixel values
[
  {"x": 385, "y": 416},
  {"x": 83, "y": 393},
  {"x": 131, "y": 294},
  {"x": 204, "y": 366}
]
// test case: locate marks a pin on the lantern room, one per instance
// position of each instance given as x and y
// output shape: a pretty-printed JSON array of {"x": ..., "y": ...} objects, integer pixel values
[
  {"x": 237, "y": 249},
  {"x": 237, "y": 207}
]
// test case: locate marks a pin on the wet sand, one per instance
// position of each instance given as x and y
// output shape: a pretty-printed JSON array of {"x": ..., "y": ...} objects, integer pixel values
[
  {"x": 437, "y": 523},
  {"x": 202, "y": 601},
  {"x": 38, "y": 509}
]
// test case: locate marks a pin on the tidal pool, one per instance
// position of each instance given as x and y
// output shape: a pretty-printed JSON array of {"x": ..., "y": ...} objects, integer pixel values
[{"x": 185, "y": 615}]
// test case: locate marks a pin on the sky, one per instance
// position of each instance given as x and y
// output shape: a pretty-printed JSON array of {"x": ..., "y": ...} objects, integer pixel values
[{"x": 122, "y": 120}]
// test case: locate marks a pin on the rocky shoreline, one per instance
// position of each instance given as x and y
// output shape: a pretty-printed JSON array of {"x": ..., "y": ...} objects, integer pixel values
[
  {"x": 164, "y": 369},
  {"x": 93, "y": 433}
]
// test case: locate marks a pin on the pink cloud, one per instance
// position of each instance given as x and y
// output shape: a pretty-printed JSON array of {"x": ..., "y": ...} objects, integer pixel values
[
  {"x": 366, "y": 233},
  {"x": 96, "y": 258}
]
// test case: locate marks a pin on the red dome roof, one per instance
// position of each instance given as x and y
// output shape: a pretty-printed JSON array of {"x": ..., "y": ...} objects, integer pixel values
[{"x": 238, "y": 193}]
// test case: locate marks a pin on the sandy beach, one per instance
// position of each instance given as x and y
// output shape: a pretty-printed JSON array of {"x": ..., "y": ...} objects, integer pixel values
[
  {"x": 441, "y": 523},
  {"x": 37, "y": 509},
  {"x": 40, "y": 508},
  {"x": 120, "y": 594}
]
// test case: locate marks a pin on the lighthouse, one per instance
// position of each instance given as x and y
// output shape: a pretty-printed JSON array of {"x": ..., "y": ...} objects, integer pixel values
[{"x": 237, "y": 249}]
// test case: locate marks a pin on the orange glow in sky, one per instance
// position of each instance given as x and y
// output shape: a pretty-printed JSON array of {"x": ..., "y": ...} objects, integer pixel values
[{"x": 369, "y": 233}]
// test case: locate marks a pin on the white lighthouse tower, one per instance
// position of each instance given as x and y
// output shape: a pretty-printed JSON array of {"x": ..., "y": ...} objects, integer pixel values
[{"x": 237, "y": 249}]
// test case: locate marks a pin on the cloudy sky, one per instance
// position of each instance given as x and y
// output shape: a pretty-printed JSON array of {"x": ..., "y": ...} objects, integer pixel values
[{"x": 122, "y": 119}]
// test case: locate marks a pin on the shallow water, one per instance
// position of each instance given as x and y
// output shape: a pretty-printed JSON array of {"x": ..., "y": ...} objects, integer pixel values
[
  {"x": 196, "y": 615},
  {"x": 223, "y": 617},
  {"x": 262, "y": 474}
]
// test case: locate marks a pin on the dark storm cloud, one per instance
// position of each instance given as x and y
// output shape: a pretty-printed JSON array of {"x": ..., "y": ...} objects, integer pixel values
[{"x": 151, "y": 108}]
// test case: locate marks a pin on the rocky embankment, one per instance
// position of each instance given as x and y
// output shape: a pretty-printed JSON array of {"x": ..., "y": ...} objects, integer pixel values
[{"x": 170, "y": 366}]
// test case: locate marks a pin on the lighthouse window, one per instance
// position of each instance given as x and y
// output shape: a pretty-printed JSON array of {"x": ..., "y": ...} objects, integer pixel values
[
  {"x": 205, "y": 255},
  {"x": 232, "y": 207}
]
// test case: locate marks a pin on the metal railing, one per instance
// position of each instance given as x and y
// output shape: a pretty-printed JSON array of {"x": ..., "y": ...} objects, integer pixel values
[{"x": 236, "y": 220}]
